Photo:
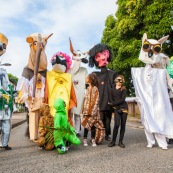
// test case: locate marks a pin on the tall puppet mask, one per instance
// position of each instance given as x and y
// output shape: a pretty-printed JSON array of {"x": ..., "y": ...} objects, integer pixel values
[
  {"x": 151, "y": 50},
  {"x": 100, "y": 55},
  {"x": 33, "y": 40},
  {"x": 61, "y": 62}
]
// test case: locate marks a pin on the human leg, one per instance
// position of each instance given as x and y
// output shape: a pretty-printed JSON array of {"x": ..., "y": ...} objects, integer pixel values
[
  {"x": 116, "y": 127},
  {"x": 150, "y": 139},
  {"x": 161, "y": 140},
  {"x": 33, "y": 124},
  {"x": 93, "y": 134},
  {"x": 123, "y": 118},
  {"x": 5, "y": 133},
  {"x": 85, "y": 137},
  {"x": 77, "y": 122}
]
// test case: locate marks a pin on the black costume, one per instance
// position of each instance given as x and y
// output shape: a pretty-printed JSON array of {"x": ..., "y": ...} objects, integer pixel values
[
  {"x": 106, "y": 82},
  {"x": 118, "y": 103}
]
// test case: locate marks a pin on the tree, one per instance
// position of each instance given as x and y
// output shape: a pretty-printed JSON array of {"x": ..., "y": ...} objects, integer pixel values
[
  {"x": 12, "y": 78},
  {"x": 123, "y": 32}
]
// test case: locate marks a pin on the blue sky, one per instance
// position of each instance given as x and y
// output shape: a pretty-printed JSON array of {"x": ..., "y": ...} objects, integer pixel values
[{"x": 82, "y": 20}]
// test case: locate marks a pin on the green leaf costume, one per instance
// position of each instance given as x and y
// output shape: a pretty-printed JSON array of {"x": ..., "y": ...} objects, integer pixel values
[{"x": 66, "y": 132}]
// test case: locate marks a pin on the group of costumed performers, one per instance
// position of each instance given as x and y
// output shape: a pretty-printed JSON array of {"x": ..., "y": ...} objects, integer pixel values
[
  {"x": 57, "y": 98},
  {"x": 151, "y": 87},
  {"x": 6, "y": 99}
]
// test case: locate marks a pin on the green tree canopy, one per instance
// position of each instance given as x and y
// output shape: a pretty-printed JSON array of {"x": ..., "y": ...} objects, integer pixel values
[
  {"x": 12, "y": 78},
  {"x": 123, "y": 32}
]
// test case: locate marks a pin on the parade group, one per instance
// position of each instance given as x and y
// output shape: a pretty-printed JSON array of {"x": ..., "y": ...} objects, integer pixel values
[{"x": 66, "y": 98}]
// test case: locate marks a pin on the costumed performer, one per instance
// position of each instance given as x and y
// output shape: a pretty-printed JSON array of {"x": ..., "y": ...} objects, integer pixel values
[
  {"x": 79, "y": 74},
  {"x": 6, "y": 99},
  {"x": 63, "y": 132},
  {"x": 59, "y": 83},
  {"x": 100, "y": 56},
  {"x": 152, "y": 94},
  {"x": 91, "y": 116},
  {"x": 45, "y": 140},
  {"x": 118, "y": 103},
  {"x": 31, "y": 85}
]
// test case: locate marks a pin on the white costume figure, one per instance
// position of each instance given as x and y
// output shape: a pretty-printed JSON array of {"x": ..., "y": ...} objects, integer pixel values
[
  {"x": 152, "y": 93},
  {"x": 78, "y": 76},
  {"x": 31, "y": 85}
]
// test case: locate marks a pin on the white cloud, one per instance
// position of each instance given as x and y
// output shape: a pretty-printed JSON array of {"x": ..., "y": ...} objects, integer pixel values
[{"x": 82, "y": 20}]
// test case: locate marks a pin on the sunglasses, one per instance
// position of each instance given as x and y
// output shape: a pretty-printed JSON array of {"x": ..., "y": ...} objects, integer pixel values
[
  {"x": 119, "y": 80},
  {"x": 156, "y": 48}
]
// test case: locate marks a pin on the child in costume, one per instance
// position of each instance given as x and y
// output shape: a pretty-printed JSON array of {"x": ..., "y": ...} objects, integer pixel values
[
  {"x": 91, "y": 117},
  {"x": 152, "y": 93},
  {"x": 100, "y": 56},
  {"x": 118, "y": 103},
  {"x": 63, "y": 131},
  {"x": 46, "y": 120}
]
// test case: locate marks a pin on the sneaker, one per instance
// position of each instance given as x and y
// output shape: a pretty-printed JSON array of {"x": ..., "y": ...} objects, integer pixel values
[
  {"x": 149, "y": 145},
  {"x": 7, "y": 148},
  {"x": 85, "y": 143},
  {"x": 78, "y": 135},
  {"x": 93, "y": 142},
  {"x": 164, "y": 148}
]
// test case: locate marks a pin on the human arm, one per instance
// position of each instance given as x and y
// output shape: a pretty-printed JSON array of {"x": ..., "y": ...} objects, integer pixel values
[{"x": 120, "y": 100}]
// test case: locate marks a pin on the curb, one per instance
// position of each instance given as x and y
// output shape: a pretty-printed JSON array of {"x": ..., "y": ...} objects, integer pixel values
[{"x": 18, "y": 123}]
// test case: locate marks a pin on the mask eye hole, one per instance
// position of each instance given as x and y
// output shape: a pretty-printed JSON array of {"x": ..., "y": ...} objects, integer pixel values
[
  {"x": 146, "y": 46},
  {"x": 157, "y": 48}
]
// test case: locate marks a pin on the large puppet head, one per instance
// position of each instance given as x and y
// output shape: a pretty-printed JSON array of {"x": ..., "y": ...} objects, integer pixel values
[
  {"x": 61, "y": 62},
  {"x": 151, "y": 50},
  {"x": 3, "y": 43},
  {"x": 100, "y": 55},
  {"x": 33, "y": 40},
  {"x": 78, "y": 57}
]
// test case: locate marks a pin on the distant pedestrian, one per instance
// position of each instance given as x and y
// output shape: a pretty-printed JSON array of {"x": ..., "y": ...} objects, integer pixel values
[
  {"x": 91, "y": 120},
  {"x": 118, "y": 103}
]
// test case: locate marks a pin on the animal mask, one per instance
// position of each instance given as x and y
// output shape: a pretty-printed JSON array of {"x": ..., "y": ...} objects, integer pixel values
[
  {"x": 3, "y": 43},
  {"x": 151, "y": 50},
  {"x": 33, "y": 40}
]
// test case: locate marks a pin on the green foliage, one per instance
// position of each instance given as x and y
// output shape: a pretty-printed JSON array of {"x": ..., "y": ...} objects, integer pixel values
[
  {"x": 123, "y": 32},
  {"x": 12, "y": 78}
]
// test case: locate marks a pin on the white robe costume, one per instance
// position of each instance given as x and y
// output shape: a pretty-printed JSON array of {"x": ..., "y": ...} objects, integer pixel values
[{"x": 152, "y": 98}]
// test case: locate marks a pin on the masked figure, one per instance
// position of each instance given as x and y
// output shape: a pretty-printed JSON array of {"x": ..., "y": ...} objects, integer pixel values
[
  {"x": 31, "y": 85},
  {"x": 79, "y": 74},
  {"x": 63, "y": 132},
  {"x": 151, "y": 90},
  {"x": 59, "y": 84},
  {"x": 6, "y": 98},
  {"x": 100, "y": 56}
]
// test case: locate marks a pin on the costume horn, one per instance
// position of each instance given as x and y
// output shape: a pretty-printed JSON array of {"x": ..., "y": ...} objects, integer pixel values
[
  {"x": 48, "y": 37},
  {"x": 71, "y": 48}
]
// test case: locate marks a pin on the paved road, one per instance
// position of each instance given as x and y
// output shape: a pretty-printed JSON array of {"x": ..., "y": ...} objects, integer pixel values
[{"x": 135, "y": 158}]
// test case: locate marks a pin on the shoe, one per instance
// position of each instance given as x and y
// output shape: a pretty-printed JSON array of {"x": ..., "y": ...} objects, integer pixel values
[
  {"x": 7, "y": 148},
  {"x": 164, "y": 148},
  {"x": 78, "y": 135},
  {"x": 112, "y": 144},
  {"x": 35, "y": 140},
  {"x": 121, "y": 145},
  {"x": 107, "y": 138},
  {"x": 85, "y": 143},
  {"x": 149, "y": 145},
  {"x": 170, "y": 141},
  {"x": 93, "y": 142}
]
